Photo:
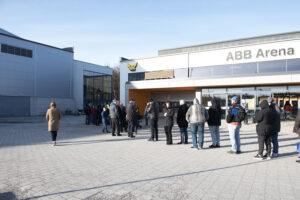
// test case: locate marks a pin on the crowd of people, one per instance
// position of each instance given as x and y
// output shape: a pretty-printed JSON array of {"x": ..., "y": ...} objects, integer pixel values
[{"x": 127, "y": 119}]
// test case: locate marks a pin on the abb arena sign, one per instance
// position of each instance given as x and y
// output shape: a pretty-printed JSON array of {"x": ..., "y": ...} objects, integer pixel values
[{"x": 260, "y": 53}]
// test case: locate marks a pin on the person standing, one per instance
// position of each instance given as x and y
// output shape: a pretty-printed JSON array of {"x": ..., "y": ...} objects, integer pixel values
[
  {"x": 196, "y": 116},
  {"x": 146, "y": 113},
  {"x": 98, "y": 115},
  {"x": 114, "y": 115},
  {"x": 153, "y": 111},
  {"x": 235, "y": 116},
  {"x": 123, "y": 124},
  {"x": 245, "y": 106},
  {"x": 53, "y": 116},
  {"x": 182, "y": 123},
  {"x": 287, "y": 110},
  {"x": 130, "y": 118},
  {"x": 214, "y": 123},
  {"x": 169, "y": 121},
  {"x": 87, "y": 111},
  {"x": 104, "y": 116},
  {"x": 277, "y": 127},
  {"x": 266, "y": 119},
  {"x": 297, "y": 131}
]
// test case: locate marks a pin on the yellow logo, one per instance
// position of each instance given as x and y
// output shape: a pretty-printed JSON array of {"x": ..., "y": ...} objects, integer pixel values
[{"x": 132, "y": 67}]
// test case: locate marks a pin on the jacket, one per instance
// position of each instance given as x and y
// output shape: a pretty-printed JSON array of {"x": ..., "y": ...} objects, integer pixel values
[
  {"x": 114, "y": 111},
  {"x": 181, "y": 120},
  {"x": 169, "y": 121},
  {"x": 53, "y": 116},
  {"x": 153, "y": 110},
  {"x": 130, "y": 112},
  {"x": 196, "y": 113},
  {"x": 266, "y": 119},
  {"x": 104, "y": 115},
  {"x": 297, "y": 124},
  {"x": 277, "y": 124},
  {"x": 214, "y": 113}
]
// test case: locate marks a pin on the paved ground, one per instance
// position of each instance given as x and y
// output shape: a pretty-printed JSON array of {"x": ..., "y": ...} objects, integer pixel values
[{"x": 89, "y": 165}]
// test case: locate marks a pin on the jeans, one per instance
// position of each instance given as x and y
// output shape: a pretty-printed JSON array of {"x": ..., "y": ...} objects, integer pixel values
[
  {"x": 275, "y": 143},
  {"x": 154, "y": 129},
  {"x": 234, "y": 134},
  {"x": 184, "y": 134},
  {"x": 104, "y": 129},
  {"x": 146, "y": 120},
  {"x": 215, "y": 135},
  {"x": 197, "y": 128}
]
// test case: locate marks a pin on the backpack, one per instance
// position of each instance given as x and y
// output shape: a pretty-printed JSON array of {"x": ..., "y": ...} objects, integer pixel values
[{"x": 236, "y": 114}]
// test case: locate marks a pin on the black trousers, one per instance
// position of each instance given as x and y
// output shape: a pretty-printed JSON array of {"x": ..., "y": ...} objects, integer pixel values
[
  {"x": 130, "y": 127},
  {"x": 264, "y": 140},
  {"x": 154, "y": 129},
  {"x": 168, "y": 131},
  {"x": 53, "y": 135},
  {"x": 123, "y": 125},
  {"x": 115, "y": 125}
]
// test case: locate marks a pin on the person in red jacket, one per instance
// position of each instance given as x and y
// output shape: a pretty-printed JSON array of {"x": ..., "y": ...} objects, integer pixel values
[{"x": 287, "y": 110}]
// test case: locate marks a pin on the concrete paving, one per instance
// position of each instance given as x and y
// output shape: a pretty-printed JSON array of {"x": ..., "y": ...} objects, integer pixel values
[{"x": 87, "y": 164}]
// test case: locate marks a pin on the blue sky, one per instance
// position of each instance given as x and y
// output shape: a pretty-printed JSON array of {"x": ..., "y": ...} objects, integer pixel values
[{"x": 103, "y": 31}]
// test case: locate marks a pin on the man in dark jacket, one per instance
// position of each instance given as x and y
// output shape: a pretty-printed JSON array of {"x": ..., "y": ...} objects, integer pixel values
[
  {"x": 153, "y": 111},
  {"x": 87, "y": 111},
  {"x": 214, "y": 122},
  {"x": 114, "y": 115},
  {"x": 276, "y": 127},
  {"x": 266, "y": 119},
  {"x": 123, "y": 124},
  {"x": 130, "y": 116},
  {"x": 182, "y": 123},
  {"x": 169, "y": 114}
]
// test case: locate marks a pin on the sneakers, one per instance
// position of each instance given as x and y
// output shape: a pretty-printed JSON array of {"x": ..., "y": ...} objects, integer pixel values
[
  {"x": 258, "y": 157},
  {"x": 238, "y": 152},
  {"x": 179, "y": 143},
  {"x": 269, "y": 157},
  {"x": 212, "y": 146}
]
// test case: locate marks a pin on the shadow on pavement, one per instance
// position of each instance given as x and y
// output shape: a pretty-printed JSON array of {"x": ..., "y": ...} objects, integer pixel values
[
  {"x": 8, "y": 196},
  {"x": 282, "y": 156}
]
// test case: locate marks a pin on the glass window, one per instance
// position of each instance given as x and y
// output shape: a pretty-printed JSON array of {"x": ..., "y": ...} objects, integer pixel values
[
  {"x": 4, "y": 48},
  {"x": 283, "y": 88},
  {"x": 235, "y": 90},
  {"x": 11, "y": 50},
  {"x": 181, "y": 73},
  {"x": 17, "y": 51},
  {"x": 222, "y": 70},
  {"x": 294, "y": 88},
  {"x": 136, "y": 76},
  {"x": 246, "y": 68},
  {"x": 272, "y": 66},
  {"x": 200, "y": 72},
  {"x": 293, "y": 65},
  {"x": 23, "y": 52}
]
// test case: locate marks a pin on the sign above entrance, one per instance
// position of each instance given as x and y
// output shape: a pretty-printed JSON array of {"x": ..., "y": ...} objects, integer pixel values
[
  {"x": 132, "y": 67},
  {"x": 260, "y": 53}
]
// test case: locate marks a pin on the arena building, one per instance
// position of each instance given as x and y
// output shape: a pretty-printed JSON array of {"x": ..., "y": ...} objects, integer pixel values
[{"x": 251, "y": 68}]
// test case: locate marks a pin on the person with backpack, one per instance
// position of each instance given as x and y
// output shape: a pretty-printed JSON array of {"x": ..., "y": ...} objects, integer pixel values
[
  {"x": 266, "y": 119},
  {"x": 214, "y": 122},
  {"x": 196, "y": 116},
  {"x": 235, "y": 116}
]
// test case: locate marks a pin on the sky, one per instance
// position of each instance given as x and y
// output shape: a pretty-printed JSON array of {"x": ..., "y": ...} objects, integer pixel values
[{"x": 103, "y": 31}]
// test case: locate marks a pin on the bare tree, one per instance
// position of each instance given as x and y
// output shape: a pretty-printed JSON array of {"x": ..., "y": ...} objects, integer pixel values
[{"x": 116, "y": 83}]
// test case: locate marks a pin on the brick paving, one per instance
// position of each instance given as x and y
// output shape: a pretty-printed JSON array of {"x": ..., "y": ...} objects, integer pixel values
[{"x": 87, "y": 164}]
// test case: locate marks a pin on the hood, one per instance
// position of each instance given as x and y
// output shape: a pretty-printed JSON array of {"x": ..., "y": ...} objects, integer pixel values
[
  {"x": 196, "y": 101},
  {"x": 215, "y": 104},
  {"x": 264, "y": 104}
]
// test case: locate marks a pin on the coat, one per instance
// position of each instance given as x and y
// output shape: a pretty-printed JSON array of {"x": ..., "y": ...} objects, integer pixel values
[
  {"x": 181, "y": 121},
  {"x": 130, "y": 112},
  {"x": 214, "y": 113},
  {"x": 53, "y": 116},
  {"x": 297, "y": 124},
  {"x": 278, "y": 120},
  {"x": 266, "y": 119},
  {"x": 114, "y": 111},
  {"x": 169, "y": 118},
  {"x": 196, "y": 113},
  {"x": 153, "y": 110}
]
